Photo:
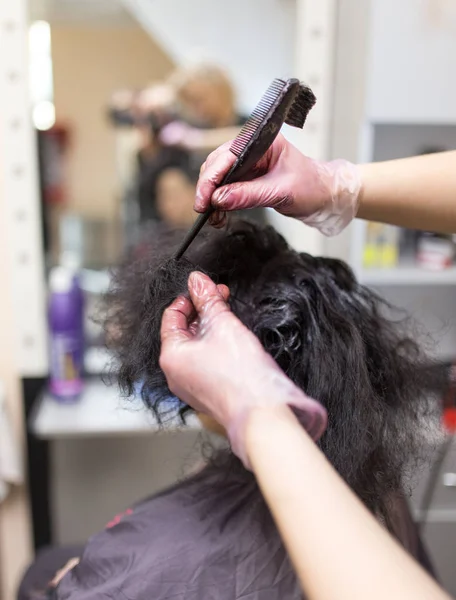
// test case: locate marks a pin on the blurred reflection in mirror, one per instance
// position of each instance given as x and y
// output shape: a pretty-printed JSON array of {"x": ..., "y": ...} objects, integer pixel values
[{"x": 175, "y": 196}]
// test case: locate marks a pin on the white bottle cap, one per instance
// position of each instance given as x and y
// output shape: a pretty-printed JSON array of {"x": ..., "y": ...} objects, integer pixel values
[{"x": 60, "y": 280}]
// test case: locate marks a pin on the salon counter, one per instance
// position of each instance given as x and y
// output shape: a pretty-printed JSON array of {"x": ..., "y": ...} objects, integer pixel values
[
  {"x": 100, "y": 411},
  {"x": 105, "y": 453}
]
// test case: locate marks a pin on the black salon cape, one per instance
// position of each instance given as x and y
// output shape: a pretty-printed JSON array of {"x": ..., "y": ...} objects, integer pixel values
[{"x": 209, "y": 538}]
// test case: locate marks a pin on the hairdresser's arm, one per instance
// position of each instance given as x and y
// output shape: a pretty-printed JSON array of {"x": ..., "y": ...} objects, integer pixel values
[
  {"x": 338, "y": 549},
  {"x": 417, "y": 192},
  {"x": 212, "y": 362}
]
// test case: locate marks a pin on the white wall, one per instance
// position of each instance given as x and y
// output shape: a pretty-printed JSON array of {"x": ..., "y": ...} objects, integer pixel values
[
  {"x": 90, "y": 62},
  {"x": 412, "y": 61},
  {"x": 252, "y": 39},
  {"x": 22, "y": 349}
]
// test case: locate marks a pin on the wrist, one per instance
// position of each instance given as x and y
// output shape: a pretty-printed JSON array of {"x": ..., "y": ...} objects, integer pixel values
[
  {"x": 366, "y": 172},
  {"x": 253, "y": 423},
  {"x": 265, "y": 415},
  {"x": 340, "y": 184},
  {"x": 261, "y": 427}
]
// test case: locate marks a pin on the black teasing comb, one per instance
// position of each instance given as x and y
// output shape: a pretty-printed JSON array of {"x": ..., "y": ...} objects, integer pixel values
[{"x": 284, "y": 102}]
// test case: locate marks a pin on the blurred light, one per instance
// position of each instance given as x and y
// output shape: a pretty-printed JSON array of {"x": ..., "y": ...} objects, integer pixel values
[
  {"x": 40, "y": 38},
  {"x": 41, "y": 80},
  {"x": 44, "y": 115},
  {"x": 40, "y": 75}
]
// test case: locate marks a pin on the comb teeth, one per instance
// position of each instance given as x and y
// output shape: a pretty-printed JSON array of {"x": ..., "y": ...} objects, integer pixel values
[
  {"x": 302, "y": 104},
  {"x": 256, "y": 118}
]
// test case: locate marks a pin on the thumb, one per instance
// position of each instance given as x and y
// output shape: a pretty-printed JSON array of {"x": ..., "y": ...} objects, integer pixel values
[
  {"x": 261, "y": 192},
  {"x": 176, "y": 321},
  {"x": 207, "y": 298}
]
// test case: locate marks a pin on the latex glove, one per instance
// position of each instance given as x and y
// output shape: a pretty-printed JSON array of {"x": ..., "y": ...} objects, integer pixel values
[
  {"x": 216, "y": 365},
  {"x": 324, "y": 195}
]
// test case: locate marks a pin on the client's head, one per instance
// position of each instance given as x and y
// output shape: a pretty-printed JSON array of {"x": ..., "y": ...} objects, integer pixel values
[{"x": 327, "y": 332}]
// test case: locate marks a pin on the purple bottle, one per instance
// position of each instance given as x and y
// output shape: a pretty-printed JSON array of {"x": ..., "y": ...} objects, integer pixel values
[{"x": 66, "y": 335}]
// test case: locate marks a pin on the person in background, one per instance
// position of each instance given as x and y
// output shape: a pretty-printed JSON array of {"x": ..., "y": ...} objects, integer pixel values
[
  {"x": 175, "y": 195},
  {"x": 207, "y": 109},
  {"x": 176, "y": 124},
  {"x": 154, "y": 107},
  {"x": 140, "y": 117}
]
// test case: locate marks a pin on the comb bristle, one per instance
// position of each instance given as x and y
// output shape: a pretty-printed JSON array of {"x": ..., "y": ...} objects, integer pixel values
[
  {"x": 302, "y": 104},
  {"x": 257, "y": 117}
]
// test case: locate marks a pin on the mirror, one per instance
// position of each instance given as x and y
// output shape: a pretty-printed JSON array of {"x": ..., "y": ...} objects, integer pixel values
[{"x": 122, "y": 130}]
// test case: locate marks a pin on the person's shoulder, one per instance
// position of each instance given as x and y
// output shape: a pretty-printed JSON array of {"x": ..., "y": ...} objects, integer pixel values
[{"x": 208, "y": 532}]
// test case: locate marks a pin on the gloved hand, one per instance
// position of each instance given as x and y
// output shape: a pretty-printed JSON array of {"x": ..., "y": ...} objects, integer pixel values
[
  {"x": 216, "y": 365},
  {"x": 324, "y": 195}
]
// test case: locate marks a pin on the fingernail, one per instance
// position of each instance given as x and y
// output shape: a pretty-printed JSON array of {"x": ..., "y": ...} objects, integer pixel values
[
  {"x": 180, "y": 301},
  {"x": 220, "y": 197},
  {"x": 198, "y": 199},
  {"x": 196, "y": 282},
  {"x": 217, "y": 219}
]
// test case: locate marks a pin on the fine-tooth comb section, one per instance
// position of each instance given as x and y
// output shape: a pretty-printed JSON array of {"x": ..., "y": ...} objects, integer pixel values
[
  {"x": 257, "y": 117},
  {"x": 302, "y": 104}
]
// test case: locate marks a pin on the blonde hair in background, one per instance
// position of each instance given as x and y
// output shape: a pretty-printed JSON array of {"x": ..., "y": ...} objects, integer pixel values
[{"x": 202, "y": 72}]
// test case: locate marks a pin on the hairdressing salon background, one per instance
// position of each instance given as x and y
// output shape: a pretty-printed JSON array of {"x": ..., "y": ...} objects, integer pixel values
[{"x": 82, "y": 106}]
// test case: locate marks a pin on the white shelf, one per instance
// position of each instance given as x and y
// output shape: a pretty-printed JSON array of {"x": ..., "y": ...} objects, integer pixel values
[
  {"x": 97, "y": 359},
  {"x": 100, "y": 411},
  {"x": 407, "y": 275}
]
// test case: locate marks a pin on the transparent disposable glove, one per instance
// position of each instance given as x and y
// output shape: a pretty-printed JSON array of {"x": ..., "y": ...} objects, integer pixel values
[
  {"x": 216, "y": 365},
  {"x": 324, "y": 195}
]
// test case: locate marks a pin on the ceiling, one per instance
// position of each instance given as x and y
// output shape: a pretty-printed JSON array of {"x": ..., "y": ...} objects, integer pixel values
[{"x": 95, "y": 12}]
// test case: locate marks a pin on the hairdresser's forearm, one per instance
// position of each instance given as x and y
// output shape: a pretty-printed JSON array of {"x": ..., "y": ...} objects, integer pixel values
[
  {"x": 338, "y": 549},
  {"x": 418, "y": 192}
]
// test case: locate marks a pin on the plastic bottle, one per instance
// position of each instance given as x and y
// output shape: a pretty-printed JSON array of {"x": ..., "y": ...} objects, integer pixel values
[{"x": 66, "y": 335}]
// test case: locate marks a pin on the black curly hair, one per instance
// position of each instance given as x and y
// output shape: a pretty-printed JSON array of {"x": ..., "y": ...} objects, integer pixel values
[{"x": 328, "y": 333}]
